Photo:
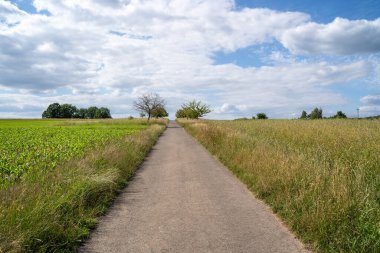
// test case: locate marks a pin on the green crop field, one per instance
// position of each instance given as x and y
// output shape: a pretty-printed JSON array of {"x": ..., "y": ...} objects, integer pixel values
[
  {"x": 42, "y": 144},
  {"x": 58, "y": 176},
  {"x": 321, "y": 176}
]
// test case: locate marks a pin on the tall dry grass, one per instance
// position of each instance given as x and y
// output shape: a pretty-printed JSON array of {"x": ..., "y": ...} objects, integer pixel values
[
  {"x": 54, "y": 211},
  {"x": 322, "y": 177}
]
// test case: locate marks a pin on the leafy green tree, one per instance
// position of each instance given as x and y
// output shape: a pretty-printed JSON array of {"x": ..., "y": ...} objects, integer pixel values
[
  {"x": 316, "y": 113},
  {"x": 53, "y": 111},
  {"x": 180, "y": 114},
  {"x": 81, "y": 114},
  {"x": 304, "y": 115},
  {"x": 91, "y": 112},
  {"x": 159, "y": 112},
  {"x": 261, "y": 115},
  {"x": 103, "y": 113},
  {"x": 340, "y": 115},
  {"x": 194, "y": 110},
  {"x": 67, "y": 111}
]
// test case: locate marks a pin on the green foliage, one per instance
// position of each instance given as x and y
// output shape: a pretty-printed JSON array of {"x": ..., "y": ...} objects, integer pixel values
[
  {"x": 25, "y": 148},
  {"x": 54, "y": 210},
  {"x": 316, "y": 113},
  {"x": 339, "y": 115},
  {"x": 67, "y": 111},
  {"x": 193, "y": 110},
  {"x": 91, "y": 112},
  {"x": 103, "y": 113},
  {"x": 81, "y": 114},
  {"x": 53, "y": 111},
  {"x": 180, "y": 114},
  {"x": 261, "y": 115},
  {"x": 304, "y": 115},
  {"x": 160, "y": 112}
]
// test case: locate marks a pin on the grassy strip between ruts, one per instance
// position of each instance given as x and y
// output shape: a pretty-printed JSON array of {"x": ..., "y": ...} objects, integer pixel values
[
  {"x": 321, "y": 177},
  {"x": 55, "y": 213}
]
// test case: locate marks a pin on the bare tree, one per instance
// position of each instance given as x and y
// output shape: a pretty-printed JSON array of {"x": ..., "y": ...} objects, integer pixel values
[{"x": 148, "y": 103}]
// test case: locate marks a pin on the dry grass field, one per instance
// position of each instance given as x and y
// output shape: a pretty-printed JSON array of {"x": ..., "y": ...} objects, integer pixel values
[{"x": 322, "y": 177}]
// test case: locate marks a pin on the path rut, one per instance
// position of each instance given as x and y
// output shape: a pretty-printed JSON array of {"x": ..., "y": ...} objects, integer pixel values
[{"x": 183, "y": 200}]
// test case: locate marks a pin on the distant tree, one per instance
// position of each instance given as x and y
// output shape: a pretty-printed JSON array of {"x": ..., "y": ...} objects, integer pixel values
[
  {"x": 340, "y": 115},
  {"x": 316, "y": 113},
  {"x": 142, "y": 115},
  {"x": 180, "y": 114},
  {"x": 147, "y": 103},
  {"x": 194, "y": 110},
  {"x": 103, "y": 113},
  {"x": 91, "y": 112},
  {"x": 82, "y": 113},
  {"x": 373, "y": 117},
  {"x": 261, "y": 115},
  {"x": 67, "y": 111},
  {"x": 253, "y": 117},
  {"x": 304, "y": 115},
  {"x": 159, "y": 112},
  {"x": 53, "y": 111}
]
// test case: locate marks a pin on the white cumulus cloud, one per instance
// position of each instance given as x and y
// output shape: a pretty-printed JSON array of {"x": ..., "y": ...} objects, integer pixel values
[
  {"x": 340, "y": 37},
  {"x": 108, "y": 52}
]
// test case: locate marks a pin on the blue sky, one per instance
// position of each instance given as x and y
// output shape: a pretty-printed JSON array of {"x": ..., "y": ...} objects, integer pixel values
[
  {"x": 322, "y": 11},
  {"x": 241, "y": 57}
]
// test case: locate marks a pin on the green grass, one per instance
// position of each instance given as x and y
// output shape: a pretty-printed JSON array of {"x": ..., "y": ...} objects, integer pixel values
[
  {"x": 43, "y": 144},
  {"x": 321, "y": 177},
  {"x": 52, "y": 207},
  {"x": 12, "y": 123}
]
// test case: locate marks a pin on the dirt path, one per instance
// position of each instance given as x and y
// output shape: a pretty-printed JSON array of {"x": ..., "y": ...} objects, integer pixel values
[{"x": 183, "y": 200}]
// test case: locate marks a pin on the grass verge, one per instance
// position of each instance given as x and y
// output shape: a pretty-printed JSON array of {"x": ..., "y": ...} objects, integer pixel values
[
  {"x": 54, "y": 211},
  {"x": 321, "y": 177}
]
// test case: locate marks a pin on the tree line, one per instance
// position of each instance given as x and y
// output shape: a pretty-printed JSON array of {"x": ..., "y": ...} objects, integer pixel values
[
  {"x": 317, "y": 113},
  {"x": 152, "y": 105},
  {"x": 68, "y": 111}
]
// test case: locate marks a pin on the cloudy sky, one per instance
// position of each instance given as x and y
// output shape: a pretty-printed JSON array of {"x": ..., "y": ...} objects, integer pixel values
[{"x": 241, "y": 57}]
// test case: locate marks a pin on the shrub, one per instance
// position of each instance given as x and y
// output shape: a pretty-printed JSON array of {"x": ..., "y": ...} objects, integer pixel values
[{"x": 261, "y": 115}]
